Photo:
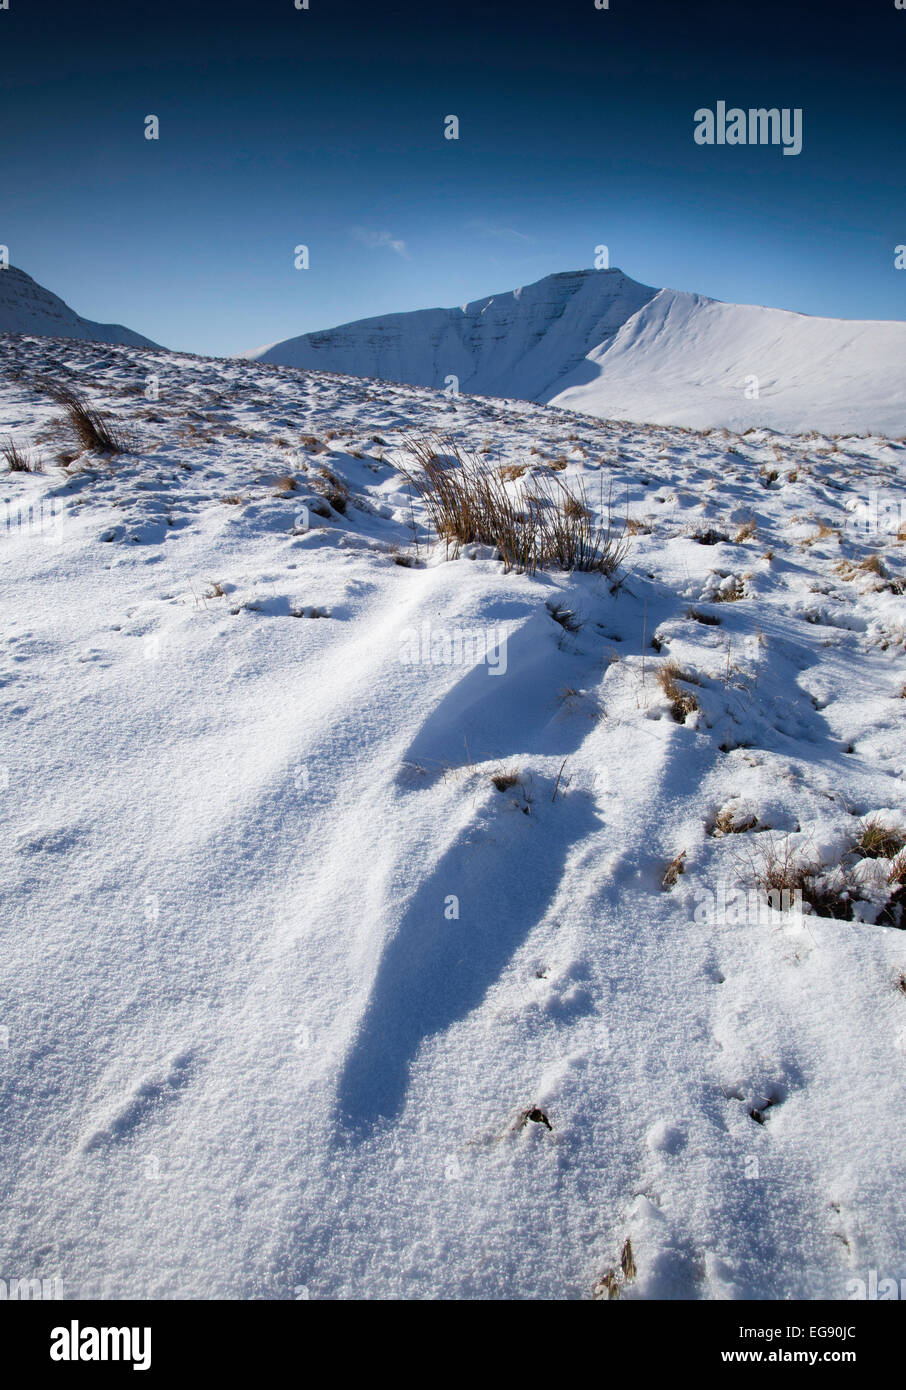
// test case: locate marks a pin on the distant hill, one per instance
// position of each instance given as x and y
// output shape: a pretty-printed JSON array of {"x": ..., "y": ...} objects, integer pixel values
[{"x": 27, "y": 307}]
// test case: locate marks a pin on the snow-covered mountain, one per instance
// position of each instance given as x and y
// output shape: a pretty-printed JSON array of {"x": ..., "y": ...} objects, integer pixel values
[
  {"x": 597, "y": 342},
  {"x": 526, "y": 343},
  {"x": 27, "y": 307}
]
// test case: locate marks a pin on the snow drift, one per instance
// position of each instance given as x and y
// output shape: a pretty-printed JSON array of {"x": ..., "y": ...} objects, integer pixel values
[{"x": 331, "y": 971}]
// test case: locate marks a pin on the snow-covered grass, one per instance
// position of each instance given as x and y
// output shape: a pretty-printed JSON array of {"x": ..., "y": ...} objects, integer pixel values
[{"x": 378, "y": 923}]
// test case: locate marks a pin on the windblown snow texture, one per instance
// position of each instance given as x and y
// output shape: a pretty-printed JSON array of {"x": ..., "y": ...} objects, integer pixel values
[{"x": 298, "y": 1002}]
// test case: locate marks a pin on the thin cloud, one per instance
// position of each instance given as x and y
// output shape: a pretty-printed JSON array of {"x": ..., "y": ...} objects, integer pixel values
[
  {"x": 378, "y": 239},
  {"x": 501, "y": 233}
]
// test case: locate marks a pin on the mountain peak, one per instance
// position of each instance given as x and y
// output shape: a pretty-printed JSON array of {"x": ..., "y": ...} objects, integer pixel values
[
  {"x": 28, "y": 308},
  {"x": 518, "y": 342},
  {"x": 600, "y": 343}
]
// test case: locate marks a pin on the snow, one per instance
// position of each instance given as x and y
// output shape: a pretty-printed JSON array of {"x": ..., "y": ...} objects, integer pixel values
[
  {"x": 598, "y": 343},
  {"x": 684, "y": 359},
  {"x": 27, "y": 307},
  {"x": 286, "y": 976},
  {"x": 517, "y": 344}
]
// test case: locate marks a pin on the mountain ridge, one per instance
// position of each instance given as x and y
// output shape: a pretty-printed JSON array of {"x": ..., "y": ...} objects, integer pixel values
[
  {"x": 599, "y": 343},
  {"x": 28, "y": 308}
]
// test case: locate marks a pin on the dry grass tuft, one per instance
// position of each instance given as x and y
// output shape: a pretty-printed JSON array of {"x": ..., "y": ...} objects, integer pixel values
[
  {"x": 896, "y": 875},
  {"x": 93, "y": 432},
  {"x": 824, "y": 532},
  {"x": 682, "y": 702},
  {"x": 786, "y": 875},
  {"x": 733, "y": 593},
  {"x": 332, "y": 489},
  {"x": 469, "y": 502},
  {"x": 877, "y": 841},
  {"x": 732, "y": 822},
  {"x": 676, "y": 867},
  {"x": 19, "y": 460},
  {"x": 613, "y": 1280}
]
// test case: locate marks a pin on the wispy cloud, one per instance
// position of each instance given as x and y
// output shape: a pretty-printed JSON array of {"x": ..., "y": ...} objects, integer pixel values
[
  {"x": 501, "y": 233},
  {"x": 368, "y": 237}
]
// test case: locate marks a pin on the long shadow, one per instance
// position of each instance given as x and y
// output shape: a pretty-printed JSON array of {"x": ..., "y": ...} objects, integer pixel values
[
  {"x": 487, "y": 716},
  {"x": 504, "y": 872}
]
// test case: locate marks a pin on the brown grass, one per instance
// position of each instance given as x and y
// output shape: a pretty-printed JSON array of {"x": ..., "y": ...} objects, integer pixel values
[
  {"x": 896, "y": 875},
  {"x": 779, "y": 868},
  {"x": 93, "y": 432},
  {"x": 676, "y": 867},
  {"x": 823, "y": 533},
  {"x": 332, "y": 489},
  {"x": 468, "y": 502},
  {"x": 19, "y": 460},
  {"x": 877, "y": 841},
  {"x": 736, "y": 591},
  {"x": 732, "y": 822},
  {"x": 682, "y": 702}
]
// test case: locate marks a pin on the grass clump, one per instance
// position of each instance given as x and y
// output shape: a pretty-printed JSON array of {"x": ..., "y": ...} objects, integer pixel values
[
  {"x": 788, "y": 876},
  {"x": 732, "y": 821},
  {"x": 91, "y": 430},
  {"x": 676, "y": 867},
  {"x": 682, "y": 702},
  {"x": 470, "y": 502},
  {"x": 878, "y": 841},
  {"x": 332, "y": 489},
  {"x": 19, "y": 460}
]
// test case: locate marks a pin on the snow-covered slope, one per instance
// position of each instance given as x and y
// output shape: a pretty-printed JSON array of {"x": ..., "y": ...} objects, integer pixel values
[
  {"x": 597, "y": 342},
  {"x": 684, "y": 359},
  {"x": 297, "y": 1001},
  {"x": 517, "y": 344},
  {"x": 27, "y": 307}
]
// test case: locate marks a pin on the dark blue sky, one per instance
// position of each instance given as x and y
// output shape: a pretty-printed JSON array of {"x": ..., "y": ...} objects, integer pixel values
[{"x": 325, "y": 127}]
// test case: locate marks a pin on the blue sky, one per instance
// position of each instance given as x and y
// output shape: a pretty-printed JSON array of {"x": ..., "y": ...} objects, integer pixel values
[{"x": 325, "y": 127}]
